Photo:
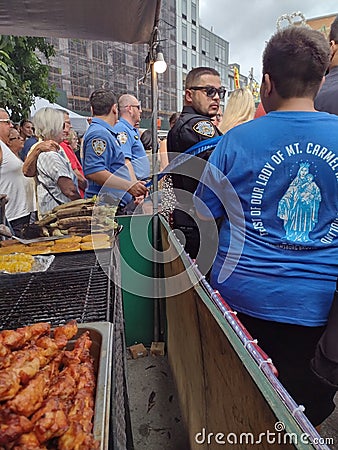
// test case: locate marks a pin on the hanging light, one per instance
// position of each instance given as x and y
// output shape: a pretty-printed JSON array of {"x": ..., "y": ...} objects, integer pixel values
[{"x": 160, "y": 65}]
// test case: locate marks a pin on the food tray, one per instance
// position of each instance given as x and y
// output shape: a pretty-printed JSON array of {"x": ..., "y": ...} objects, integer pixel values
[
  {"x": 101, "y": 334},
  {"x": 41, "y": 264}
]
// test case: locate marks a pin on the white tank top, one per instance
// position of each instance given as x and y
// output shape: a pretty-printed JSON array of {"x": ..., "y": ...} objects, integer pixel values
[{"x": 18, "y": 188}]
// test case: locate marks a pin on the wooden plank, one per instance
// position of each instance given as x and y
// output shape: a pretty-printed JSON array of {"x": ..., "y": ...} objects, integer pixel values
[{"x": 217, "y": 393}]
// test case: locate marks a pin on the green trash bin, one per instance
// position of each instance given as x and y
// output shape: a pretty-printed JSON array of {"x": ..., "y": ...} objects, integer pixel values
[{"x": 136, "y": 255}]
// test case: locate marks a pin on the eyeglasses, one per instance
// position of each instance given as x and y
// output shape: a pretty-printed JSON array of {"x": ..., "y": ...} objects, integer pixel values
[
  {"x": 210, "y": 91},
  {"x": 8, "y": 121},
  {"x": 135, "y": 106},
  {"x": 13, "y": 138}
]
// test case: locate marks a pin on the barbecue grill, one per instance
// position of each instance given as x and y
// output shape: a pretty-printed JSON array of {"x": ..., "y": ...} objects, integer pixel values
[
  {"x": 76, "y": 286},
  {"x": 74, "y": 260}
]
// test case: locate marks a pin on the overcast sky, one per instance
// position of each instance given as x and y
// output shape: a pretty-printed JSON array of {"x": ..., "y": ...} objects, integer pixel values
[{"x": 248, "y": 24}]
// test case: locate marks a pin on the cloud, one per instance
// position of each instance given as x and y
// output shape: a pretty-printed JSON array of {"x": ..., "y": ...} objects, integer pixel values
[{"x": 247, "y": 25}]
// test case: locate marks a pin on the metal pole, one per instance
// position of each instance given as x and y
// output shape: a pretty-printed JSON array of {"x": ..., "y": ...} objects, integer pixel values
[{"x": 155, "y": 218}]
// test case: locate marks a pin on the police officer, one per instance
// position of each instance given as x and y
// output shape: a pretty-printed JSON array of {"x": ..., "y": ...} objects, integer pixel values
[
  {"x": 203, "y": 92},
  {"x": 103, "y": 160},
  {"x": 129, "y": 138}
]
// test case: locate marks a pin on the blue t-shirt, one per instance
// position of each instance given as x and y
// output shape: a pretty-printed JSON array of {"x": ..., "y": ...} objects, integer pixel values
[
  {"x": 101, "y": 151},
  {"x": 132, "y": 148},
  {"x": 275, "y": 179},
  {"x": 27, "y": 146}
]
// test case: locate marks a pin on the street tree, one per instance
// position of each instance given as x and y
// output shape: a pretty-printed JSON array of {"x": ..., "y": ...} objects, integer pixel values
[{"x": 23, "y": 75}]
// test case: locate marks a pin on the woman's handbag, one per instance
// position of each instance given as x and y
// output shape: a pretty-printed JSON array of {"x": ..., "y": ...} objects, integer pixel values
[{"x": 325, "y": 362}]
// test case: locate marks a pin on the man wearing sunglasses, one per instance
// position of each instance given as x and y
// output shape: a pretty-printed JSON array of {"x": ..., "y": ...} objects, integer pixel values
[
  {"x": 127, "y": 129},
  {"x": 203, "y": 93}
]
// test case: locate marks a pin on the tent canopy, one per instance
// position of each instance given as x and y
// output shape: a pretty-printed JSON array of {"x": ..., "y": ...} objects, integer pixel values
[
  {"x": 79, "y": 122},
  {"x": 130, "y": 21}
]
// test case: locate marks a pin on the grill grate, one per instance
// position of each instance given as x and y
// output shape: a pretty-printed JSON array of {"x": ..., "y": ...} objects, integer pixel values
[
  {"x": 81, "y": 259},
  {"x": 83, "y": 294}
]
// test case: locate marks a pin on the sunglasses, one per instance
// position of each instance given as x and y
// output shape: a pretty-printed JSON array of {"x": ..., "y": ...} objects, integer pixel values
[
  {"x": 135, "y": 106},
  {"x": 8, "y": 121},
  {"x": 210, "y": 91},
  {"x": 14, "y": 138}
]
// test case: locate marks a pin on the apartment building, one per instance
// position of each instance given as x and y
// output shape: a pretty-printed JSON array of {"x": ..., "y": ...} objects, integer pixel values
[{"x": 80, "y": 66}]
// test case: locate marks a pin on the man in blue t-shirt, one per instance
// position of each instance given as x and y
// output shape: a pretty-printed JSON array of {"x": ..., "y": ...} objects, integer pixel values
[
  {"x": 103, "y": 160},
  {"x": 275, "y": 182}
]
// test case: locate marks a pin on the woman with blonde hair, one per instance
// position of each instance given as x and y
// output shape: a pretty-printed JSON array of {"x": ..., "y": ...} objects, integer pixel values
[
  {"x": 240, "y": 108},
  {"x": 56, "y": 180}
]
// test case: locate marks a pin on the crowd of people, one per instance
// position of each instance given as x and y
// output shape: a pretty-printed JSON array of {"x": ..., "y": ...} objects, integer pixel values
[{"x": 255, "y": 201}]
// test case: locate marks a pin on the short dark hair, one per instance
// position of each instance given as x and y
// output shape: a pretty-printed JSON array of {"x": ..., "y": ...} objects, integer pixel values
[
  {"x": 194, "y": 75},
  {"x": 24, "y": 121},
  {"x": 147, "y": 140},
  {"x": 102, "y": 101},
  {"x": 173, "y": 118},
  {"x": 296, "y": 58},
  {"x": 333, "y": 36}
]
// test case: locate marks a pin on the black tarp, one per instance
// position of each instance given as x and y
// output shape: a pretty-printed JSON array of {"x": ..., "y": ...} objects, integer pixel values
[{"x": 130, "y": 21}]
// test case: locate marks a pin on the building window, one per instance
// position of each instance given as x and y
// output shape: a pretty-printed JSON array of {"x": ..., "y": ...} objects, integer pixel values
[
  {"x": 184, "y": 58},
  {"x": 184, "y": 9},
  {"x": 193, "y": 13},
  {"x": 184, "y": 34},
  {"x": 220, "y": 52},
  {"x": 193, "y": 38},
  {"x": 193, "y": 61},
  {"x": 205, "y": 45}
]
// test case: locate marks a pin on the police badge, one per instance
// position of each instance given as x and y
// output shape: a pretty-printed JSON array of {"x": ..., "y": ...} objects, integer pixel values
[
  {"x": 122, "y": 137},
  {"x": 205, "y": 128},
  {"x": 99, "y": 146}
]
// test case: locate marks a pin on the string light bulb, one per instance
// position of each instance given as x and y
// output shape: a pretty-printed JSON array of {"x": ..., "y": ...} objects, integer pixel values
[{"x": 160, "y": 65}]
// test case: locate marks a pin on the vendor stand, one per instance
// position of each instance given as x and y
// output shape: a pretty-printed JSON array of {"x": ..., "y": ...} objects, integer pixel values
[{"x": 223, "y": 384}]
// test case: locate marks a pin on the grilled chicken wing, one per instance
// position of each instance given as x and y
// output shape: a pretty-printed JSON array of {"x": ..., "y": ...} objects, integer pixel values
[
  {"x": 78, "y": 436},
  {"x": 64, "y": 333},
  {"x": 12, "y": 426},
  {"x": 15, "y": 339},
  {"x": 50, "y": 420},
  {"x": 30, "y": 398},
  {"x": 28, "y": 441}
]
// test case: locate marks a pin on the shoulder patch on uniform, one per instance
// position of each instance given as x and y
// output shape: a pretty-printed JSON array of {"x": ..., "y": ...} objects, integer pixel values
[
  {"x": 99, "y": 146},
  {"x": 122, "y": 137},
  {"x": 205, "y": 128}
]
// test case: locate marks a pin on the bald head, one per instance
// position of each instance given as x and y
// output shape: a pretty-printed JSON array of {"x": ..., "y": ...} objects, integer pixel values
[{"x": 130, "y": 109}]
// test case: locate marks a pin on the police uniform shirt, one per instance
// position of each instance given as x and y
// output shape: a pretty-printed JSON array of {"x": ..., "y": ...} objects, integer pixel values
[
  {"x": 102, "y": 151},
  {"x": 190, "y": 128},
  {"x": 132, "y": 148}
]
